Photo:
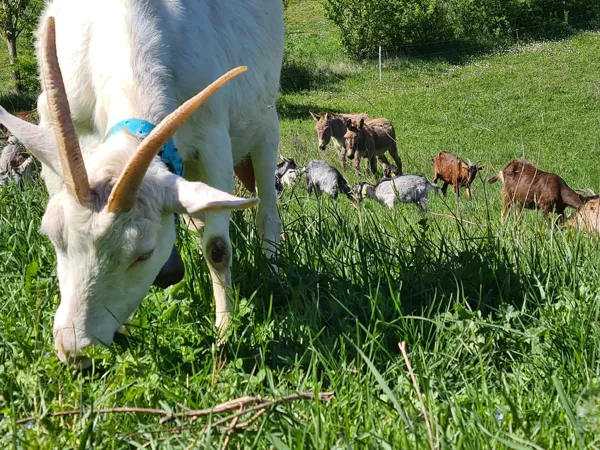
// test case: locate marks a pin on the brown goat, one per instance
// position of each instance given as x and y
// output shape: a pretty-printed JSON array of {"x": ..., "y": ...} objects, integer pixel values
[
  {"x": 371, "y": 139},
  {"x": 525, "y": 184},
  {"x": 453, "y": 170}
]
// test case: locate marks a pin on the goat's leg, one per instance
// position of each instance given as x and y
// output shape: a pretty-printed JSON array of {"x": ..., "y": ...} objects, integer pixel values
[
  {"x": 216, "y": 170},
  {"x": 469, "y": 192},
  {"x": 445, "y": 188},
  {"x": 264, "y": 160}
]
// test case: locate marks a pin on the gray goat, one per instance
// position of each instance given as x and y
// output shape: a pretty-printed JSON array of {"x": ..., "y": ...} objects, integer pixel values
[
  {"x": 286, "y": 174},
  {"x": 321, "y": 177},
  {"x": 404, "y": 188},
  {"x": 15, "y": 163}
]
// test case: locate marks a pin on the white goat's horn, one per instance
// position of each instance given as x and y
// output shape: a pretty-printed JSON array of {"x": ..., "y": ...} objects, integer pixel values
[
  {"x": 126, "y": 190},
  {"x": 73, "y": 168}
]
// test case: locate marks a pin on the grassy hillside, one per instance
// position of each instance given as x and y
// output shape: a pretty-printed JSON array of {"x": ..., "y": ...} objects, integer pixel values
[{"x": 501, "y": 322}]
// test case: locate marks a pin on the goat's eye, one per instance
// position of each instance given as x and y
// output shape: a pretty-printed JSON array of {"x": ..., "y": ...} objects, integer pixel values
[{"x": 144, "y": 256}]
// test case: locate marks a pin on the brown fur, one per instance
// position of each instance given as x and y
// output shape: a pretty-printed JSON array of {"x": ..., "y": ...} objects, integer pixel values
[
  {"x": 525, "y": 184},
  {"x": 245, "y": 172},
  {"x": 453, "y": 170},
  {"x": 333, "y": 126},
  {"x": 371, "y": 139}
]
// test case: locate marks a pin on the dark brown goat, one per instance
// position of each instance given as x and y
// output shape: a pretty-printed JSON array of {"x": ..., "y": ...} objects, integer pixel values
[
  {"x": 453, "y": 170},
  {"x": 525, "y": 184}
]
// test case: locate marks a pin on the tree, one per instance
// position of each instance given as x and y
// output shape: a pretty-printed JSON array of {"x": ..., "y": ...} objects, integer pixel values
[{"x": 16, "y": 16}]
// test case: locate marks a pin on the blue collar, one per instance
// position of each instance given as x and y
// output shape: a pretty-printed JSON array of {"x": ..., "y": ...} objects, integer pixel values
[{"x": 140, "y": 128}]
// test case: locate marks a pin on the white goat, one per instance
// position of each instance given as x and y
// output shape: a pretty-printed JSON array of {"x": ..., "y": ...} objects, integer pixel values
[{"x": 111, "y": 212}]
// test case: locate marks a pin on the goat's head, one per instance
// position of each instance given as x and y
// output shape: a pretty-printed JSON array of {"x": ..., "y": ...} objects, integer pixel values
[
  {"x": 471, "y": 171},
  {"x": 361, "y": 190},
  {"x": 353, "y": 136},
  {"x": 323, "y": 127},
  {"x": 112, "y": 224},
  {"x": 389, "y": 170}
]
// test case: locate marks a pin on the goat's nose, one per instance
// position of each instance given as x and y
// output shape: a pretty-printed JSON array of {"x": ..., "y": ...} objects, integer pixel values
[
  {"x": 68, "y": 346},
  {"x": 322, "y": 146}
]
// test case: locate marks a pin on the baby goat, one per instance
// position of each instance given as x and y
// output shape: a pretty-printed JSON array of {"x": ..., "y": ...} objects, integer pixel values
[
  {"x": 321, "y": 177},
  {"x": 15, "y": 163},
  {"x": 525, "y": 184},
  {"x": 286, "y": 174},
  {"x": 404, "y": 188}
]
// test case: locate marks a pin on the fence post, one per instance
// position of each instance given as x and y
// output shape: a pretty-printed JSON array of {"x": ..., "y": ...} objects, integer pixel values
[{"x": 380, "y": 63}]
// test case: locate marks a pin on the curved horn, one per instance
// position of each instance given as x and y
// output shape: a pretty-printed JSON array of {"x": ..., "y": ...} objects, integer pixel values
[
  {"x": 126, "y": 190},
  {"x": 71, "y": 161}
]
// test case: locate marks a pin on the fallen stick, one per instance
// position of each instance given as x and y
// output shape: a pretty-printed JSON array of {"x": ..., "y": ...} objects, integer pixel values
[{"x": 231, "y": 405}]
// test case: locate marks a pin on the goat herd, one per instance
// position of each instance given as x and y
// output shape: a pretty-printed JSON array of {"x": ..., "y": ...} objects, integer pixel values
[{"x": 357, "y": 137}]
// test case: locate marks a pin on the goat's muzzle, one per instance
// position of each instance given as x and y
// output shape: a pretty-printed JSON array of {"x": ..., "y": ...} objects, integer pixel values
[
  {"x": 322, "y": 147},
  {"x": 68, "y": 347}
]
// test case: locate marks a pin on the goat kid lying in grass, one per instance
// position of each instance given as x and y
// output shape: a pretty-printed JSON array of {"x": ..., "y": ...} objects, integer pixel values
[{"x": 404, "y": 188}]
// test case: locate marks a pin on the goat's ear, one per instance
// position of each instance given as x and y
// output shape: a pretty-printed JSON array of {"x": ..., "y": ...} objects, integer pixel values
[
  {"x": 39, "y": 141},
  {"x": 194, "y": 198},
  {"x": 348, "y": 123},
  {"x": 315, "y": 116},
  {"x": 362, "y": 123}
]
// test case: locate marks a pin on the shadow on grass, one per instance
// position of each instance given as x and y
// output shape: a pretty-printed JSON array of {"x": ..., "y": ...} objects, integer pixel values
[
  {"x": 14, "y": 103},
  {"x": 336, "y": 280},
  {"x": 461, "y": 51}
]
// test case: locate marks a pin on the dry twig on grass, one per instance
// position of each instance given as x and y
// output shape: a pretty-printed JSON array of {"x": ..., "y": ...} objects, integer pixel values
[
  {"x": 402, "y": 346},
  {"x": 243, "y": 406}
]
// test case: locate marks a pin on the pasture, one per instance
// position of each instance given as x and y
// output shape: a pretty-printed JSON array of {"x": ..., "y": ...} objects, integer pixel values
[{"x": 500, "y": 322}]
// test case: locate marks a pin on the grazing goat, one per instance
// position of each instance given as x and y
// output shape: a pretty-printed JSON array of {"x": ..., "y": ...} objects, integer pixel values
[
  {"x": 453, "y": 170},
  {"x": 15, "y": 163},
  {"x": 525, "y": 184},
  {"x": 321, "y": 177},
  {"x": 406, "y": 188},
  {"x": 369, "y": 140},
  {"x": 126, "y": 66},
  {"x": 286, "y": 174}
]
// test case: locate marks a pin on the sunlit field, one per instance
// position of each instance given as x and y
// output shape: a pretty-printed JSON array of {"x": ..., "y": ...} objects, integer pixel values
[{"x": 500, "y": 322}]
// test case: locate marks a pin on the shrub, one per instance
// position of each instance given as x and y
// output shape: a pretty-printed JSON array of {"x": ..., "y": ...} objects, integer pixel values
[{"x": 397, "y": 25}]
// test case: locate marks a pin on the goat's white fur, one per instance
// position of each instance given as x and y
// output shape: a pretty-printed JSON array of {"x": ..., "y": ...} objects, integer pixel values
[{"x": 140, "y": 59}]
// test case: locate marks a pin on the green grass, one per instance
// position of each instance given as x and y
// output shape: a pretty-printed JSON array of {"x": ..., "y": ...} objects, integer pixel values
[{"x": 502, "y": 323}]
